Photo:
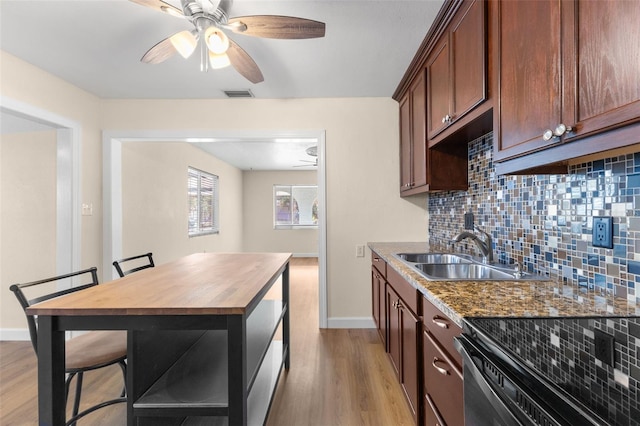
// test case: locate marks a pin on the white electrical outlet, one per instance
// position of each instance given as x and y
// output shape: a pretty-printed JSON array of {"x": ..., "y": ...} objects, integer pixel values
[{"x": 359, "y": 251}]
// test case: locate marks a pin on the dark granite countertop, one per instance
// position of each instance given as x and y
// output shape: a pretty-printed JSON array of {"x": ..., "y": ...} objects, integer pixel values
[{"x": 459, "y": 299}]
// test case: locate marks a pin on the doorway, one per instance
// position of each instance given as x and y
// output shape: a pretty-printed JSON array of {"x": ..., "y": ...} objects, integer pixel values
[
  {"x": 112, "y": 187},
  {"x": 65, "y": 135}
]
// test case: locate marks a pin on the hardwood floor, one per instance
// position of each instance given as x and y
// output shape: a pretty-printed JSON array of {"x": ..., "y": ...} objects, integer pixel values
[{"x": 337, "y": 377}]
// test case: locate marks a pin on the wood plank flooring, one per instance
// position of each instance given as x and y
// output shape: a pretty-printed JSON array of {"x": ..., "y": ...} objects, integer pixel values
[{"x": 337, "y": 377}]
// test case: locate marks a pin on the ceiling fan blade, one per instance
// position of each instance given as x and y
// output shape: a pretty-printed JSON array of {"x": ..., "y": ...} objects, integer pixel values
[
  {"x": 243, "y": 63},
  {"x": 160, "y": 52},
  {"x": 160, "y": 6},
  {"x": 275, "y": 26}
]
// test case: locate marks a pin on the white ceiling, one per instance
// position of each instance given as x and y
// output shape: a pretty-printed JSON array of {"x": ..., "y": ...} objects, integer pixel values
[
  {"x": 97, "y": 45},
  {"x": 263, "y": 153}
]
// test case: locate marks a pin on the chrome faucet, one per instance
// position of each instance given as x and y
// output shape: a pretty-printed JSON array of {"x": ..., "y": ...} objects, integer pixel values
[{"x": 485, "y": 247}]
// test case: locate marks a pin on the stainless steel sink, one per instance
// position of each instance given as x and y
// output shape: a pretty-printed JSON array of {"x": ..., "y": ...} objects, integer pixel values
[
  {"x": 454, "y": 267},
  {"x": 432, "y": 258},
  {"x": 462, "y": 271}
]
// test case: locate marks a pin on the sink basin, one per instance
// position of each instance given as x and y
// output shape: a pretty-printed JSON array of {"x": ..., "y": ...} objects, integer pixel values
[
  {"x": 434, "y": 258},
  {"x": 462, "y": 271}
]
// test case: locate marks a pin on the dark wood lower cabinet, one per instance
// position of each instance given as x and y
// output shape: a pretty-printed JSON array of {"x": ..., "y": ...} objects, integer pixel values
[
  {"x": 378, "y": 306},
  {"x": 442, "y": 385},
  {"x": 410, "y": 368},
  {"x": 431, "y": 415},
  {"x": 404, "y": 332},
  {"x": 418, "y": 338}
]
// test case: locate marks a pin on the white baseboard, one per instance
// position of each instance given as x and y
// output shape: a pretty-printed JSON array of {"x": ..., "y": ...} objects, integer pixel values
[
  {"x": 305, "y": 254},
  {"x": 351, "y": 322},
  {"x": 14, "y": 334}
]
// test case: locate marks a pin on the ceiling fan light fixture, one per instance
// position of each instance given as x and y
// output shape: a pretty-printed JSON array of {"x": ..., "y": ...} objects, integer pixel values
[
  {"x": 217, "y": 41},
  {"x": 184, "y": 42},
  {"x": 218, "y": 61}
]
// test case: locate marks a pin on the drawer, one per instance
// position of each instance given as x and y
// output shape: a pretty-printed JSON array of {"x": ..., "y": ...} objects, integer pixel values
[
  {"x": 442, "y": 383},
  {"x": 379, "y": 263},
  {"x": 406, "y": 291},
  {"x": 431, "y": 416},
  {"x": 442, "y": 330}
]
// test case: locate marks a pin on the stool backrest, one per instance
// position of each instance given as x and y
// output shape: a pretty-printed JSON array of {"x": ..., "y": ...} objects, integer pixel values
[
  {"x": 89, "y": 279},
  {"x": 122, "y": 272}
]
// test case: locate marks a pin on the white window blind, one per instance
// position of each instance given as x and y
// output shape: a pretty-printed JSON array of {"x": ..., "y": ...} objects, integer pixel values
[{"x": 202, "y": 189}]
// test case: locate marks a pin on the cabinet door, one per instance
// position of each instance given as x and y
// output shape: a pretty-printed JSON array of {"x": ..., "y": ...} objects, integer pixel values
[
  {"x": 378, "y": 308},
  {"x": 528, "y": 61},
  {"x": 405, "y": 143},
  {"x": 393, "y": 332},
  {"x": 468, "y": 53},
  {"x": 419, "y": 133},
  {"x": 438, "y": 87},
  {"x": 605, "y": 65},
  {"x": 375, "y": 296},
  {"x": 409, "y": 369}
]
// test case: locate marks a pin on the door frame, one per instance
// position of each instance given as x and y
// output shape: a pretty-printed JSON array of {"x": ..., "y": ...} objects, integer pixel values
[
  {"x": 68, "y": 204},
  {"x": 112, "y": 188}
]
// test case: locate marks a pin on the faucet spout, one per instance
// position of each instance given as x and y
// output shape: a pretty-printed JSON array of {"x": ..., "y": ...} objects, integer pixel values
[{"x": 485, "y": 247}]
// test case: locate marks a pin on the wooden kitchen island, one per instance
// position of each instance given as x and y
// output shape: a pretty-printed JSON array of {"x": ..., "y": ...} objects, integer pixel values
[{"x": 205, "y": 346}]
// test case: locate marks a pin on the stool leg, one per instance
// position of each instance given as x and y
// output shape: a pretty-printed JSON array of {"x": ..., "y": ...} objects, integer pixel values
[
  {"x": 67, "y": 385},
  {"x": 123, "y": 367},
  {"x": 76, "y": 402}
]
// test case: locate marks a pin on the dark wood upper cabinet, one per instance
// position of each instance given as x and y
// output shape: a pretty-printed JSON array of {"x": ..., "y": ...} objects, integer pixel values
[
  {"x": 439, "y": 86},
  {"x": 529, "y": 75},
  {"x": 457, "y": 70},
  {"x": 564, "y": 65},
  {"x": 405, "y": 143},
  {"x": 423, "y": 169},
  {"x": 413, "y": 140}
]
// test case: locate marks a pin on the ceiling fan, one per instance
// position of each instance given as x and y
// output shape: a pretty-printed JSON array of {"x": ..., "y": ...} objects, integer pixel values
[
  {"x": 312, "y": 151},
  {"x": 210, "y": 19}
]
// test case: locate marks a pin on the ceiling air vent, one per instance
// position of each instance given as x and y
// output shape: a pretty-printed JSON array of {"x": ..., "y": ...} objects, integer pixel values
[{"x": 238, "y": 93}]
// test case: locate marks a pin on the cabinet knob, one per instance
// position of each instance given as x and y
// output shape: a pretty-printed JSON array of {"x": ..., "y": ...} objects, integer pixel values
[
  {"x": 562, "y": 129},
  {"x": 447, "y": 119},
  {"x": 547, "y": 135}
]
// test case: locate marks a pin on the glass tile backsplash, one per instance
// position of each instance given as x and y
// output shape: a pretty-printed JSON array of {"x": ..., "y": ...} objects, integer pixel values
[{"x": 544, "y": 222}]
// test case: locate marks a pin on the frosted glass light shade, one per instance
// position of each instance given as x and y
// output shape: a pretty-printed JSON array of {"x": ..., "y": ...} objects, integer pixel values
[
  {"x": 218, "y": 61},
  {"x": 217, "y": 41},
  {"x": 184, "y": 42}
]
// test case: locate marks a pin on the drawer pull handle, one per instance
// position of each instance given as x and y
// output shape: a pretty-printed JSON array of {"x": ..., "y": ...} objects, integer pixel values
[
  {"x": 440, "y": 370},
  {"x": 440, "y": 322}
]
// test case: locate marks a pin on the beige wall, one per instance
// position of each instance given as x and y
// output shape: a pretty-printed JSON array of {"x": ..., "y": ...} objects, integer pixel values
[
  {"x": 25, "y": 83},
  {"x": 362, "y": 171},
  {"x": 154, "y": 201},
  {"x": 362, "y": 176},
  {"x": 28, "y": 215},
  {"x": 259, "y": 235}
]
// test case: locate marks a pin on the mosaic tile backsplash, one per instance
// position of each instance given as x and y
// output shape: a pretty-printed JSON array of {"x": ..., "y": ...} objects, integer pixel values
[{"x": 544, "y": 222}]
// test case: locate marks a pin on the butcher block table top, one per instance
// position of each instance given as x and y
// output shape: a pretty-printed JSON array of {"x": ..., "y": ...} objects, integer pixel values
[{"x": 199, "y": 284}]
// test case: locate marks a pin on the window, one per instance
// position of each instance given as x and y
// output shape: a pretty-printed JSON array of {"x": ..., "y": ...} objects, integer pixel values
[
  {"x": 202, "y": 188},
  {"x": 295, "y": 206}
]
